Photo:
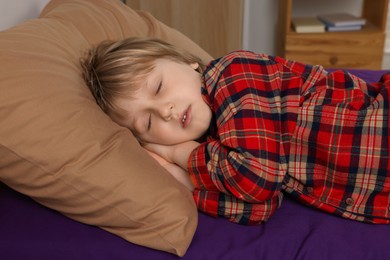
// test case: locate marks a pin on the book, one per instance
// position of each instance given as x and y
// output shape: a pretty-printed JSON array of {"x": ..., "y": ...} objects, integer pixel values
[
  {"x": 341, "y": 19},
  {"x": 343, "y": 28},
  {"x": 307, "y": 25}
]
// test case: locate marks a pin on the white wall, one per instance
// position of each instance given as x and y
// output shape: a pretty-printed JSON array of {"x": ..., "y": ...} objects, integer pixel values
[
  {"x": 13, "y": 12},
  {"x": 260, "y": 25}
]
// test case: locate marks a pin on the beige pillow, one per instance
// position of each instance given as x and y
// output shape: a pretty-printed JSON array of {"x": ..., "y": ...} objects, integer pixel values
[{"x": 59, "y": 148}]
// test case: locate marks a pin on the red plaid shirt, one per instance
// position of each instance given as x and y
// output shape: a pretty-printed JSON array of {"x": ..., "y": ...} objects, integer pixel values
[{"x": 282, "y": 126}]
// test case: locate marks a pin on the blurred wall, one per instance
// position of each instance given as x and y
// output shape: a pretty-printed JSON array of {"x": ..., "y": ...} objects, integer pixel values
[{"x": 13, "y": 12}]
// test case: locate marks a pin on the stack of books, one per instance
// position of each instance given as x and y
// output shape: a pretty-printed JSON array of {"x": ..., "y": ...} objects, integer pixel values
[
  {"x": 342, "y": 22},
  {"x": 307, "y": 25},
  {"x": 336, "y": 22}
]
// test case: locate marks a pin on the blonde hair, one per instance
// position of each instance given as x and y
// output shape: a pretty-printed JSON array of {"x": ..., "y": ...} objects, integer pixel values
[{"x": 115, "y": 68}]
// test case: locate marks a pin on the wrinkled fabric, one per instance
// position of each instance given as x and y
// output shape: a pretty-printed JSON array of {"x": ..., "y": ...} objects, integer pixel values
[{"x": 281, "y": 126}]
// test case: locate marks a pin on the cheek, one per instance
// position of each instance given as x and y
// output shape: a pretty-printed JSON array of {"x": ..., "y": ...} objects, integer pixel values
[
  {"x": 160, "y": 134},
  {"x": 166, "y": 135}
]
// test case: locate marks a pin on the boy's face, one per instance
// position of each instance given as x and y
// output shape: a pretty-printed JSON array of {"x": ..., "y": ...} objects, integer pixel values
[{"x": 168, "y": 108}]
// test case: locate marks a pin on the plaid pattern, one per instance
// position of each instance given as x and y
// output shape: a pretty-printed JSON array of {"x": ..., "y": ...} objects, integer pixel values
[{"x": 281, "y": 126}]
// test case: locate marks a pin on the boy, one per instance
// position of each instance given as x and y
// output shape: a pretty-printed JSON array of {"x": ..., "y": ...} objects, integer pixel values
[{"x": 252, "y": 126}]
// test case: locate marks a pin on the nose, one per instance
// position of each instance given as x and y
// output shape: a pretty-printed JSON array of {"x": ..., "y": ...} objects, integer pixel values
[{"x": 166, "y": 111}]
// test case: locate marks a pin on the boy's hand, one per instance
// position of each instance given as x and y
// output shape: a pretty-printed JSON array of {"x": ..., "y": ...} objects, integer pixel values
[
  {"x": 178, "y": 153},
  {"x": 176, "y": 171},
  {"x": 164, "y": 151}
]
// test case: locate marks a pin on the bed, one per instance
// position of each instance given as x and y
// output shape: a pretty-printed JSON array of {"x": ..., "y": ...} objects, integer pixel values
[
  {"x": 74, "y": 185},
  {"x": 31, "y": 231}
]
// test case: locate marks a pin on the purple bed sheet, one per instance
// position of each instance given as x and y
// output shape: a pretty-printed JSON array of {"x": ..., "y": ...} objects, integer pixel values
[{"x": 31, "y": 231}]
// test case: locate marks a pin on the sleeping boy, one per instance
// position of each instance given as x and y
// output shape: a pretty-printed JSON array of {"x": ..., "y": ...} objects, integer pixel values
[{"x": 248, "y": 128}]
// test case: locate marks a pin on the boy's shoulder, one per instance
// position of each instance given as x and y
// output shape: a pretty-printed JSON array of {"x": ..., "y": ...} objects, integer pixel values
[
  {"x": 239, "y": 57},
  {"x": 242, "y": 55},
  {"x": 234, "y": 63},
  {"x": 271, "y": 64}
]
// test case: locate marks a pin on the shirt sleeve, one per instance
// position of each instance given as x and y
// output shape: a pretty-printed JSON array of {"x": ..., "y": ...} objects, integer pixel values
[
  {"x": 238, "y": 173},
  {"x": 231, "y": 194},
  {"x": 216, "y": 204}
]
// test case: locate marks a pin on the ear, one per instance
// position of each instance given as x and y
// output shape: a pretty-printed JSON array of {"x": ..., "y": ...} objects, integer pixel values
[{"x": 194, "y": 65}]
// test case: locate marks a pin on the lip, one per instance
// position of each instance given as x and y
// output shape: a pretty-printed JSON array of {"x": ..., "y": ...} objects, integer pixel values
[{"x": 188, "y": 115}]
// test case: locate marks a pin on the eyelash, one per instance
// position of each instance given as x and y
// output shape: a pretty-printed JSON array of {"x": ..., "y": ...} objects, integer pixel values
[
  {"x": 159, "y": 88},
  {"x": 150, "y": 115},
  {"x": 150, "y": 122}
]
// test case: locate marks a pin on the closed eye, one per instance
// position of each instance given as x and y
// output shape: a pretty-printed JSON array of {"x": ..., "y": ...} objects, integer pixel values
[
  {"x": 150, "y": 122},
  {"x": 159, "y": 88}
]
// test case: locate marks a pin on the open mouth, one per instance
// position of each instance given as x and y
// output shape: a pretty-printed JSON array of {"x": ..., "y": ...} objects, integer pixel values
[{"x": 186, "y": 117}]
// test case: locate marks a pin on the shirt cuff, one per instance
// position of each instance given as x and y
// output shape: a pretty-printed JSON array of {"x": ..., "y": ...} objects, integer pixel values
[{"x": 197, "y": 169}]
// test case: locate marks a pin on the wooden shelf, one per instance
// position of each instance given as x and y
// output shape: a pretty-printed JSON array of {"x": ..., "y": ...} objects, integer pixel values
[
  {"x": 353, "y": 49},
  {"x": 367, "y": 29}
]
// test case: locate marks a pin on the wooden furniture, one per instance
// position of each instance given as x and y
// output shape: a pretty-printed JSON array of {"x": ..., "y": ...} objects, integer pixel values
[
  {"x": 356, "y": 49},
  {"x": 215, "y": 25}
]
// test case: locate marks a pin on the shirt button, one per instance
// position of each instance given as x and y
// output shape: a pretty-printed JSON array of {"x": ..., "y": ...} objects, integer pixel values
[{"x": 349, "y": 201}]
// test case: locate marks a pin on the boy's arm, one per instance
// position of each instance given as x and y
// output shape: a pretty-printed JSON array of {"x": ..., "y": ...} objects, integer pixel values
[
  {"x": 213, "y": 202},
  {"x": 180, "y": 174},
  {"x": 178, "y": 153},
  {"x": 219, "y": 204},
  {"x": 177, "y": 172}
]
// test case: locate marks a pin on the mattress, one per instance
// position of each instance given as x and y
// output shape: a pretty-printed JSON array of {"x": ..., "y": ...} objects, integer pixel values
[{"x": 31, "y": 231}]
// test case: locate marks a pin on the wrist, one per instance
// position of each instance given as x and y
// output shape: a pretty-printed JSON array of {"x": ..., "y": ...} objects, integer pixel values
[{"x": 182, "y": 152}]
